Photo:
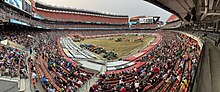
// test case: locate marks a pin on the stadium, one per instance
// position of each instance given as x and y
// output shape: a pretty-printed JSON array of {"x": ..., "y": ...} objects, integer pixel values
[{"x": 49, "y": 48}]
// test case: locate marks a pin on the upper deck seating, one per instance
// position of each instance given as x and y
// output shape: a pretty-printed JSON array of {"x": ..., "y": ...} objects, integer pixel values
[{"x": 58, "y": 16}]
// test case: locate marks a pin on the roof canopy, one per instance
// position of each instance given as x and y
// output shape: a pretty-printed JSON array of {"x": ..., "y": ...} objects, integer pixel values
[{"x": 203, "y": 10}]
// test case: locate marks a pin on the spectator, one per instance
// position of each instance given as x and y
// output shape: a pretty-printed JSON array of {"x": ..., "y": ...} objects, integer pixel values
[
  {"x": 50, "y": 89},
  {"x": 44, "y": 80},
  {"x": 34, "y": 76}
]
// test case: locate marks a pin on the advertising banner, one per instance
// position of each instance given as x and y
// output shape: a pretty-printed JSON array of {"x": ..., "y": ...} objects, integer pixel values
[
  {"x": 18, "y": 22},
  {"x": 146, "y": 20},
  {"x": 26, "y": 5},
  {"x": 133, "y": 23},
  {"x": 15, "y": 3}
]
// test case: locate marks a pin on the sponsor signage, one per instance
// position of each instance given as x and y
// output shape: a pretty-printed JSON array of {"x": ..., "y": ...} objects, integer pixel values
[
  {"x": 18, "y": 22},
  {"x": 26, "y": 5},
  {"x": 146, "y": 20},
  {"x": 15, "y": 3}
]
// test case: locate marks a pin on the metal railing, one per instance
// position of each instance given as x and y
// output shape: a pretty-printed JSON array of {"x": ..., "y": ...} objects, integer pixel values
[
  {"x": 195, "y": 79},
  {"x": 193, "y": 85}
]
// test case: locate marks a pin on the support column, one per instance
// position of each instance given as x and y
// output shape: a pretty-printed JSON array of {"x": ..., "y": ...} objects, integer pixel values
[
  {"x": 205, "y": 26},
  {"x": 199, "y": 26},
  {"x": 216, "y": 27}
]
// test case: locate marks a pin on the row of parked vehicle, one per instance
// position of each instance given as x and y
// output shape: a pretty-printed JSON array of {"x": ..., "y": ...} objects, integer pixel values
[{"x": 99, "y": 50}]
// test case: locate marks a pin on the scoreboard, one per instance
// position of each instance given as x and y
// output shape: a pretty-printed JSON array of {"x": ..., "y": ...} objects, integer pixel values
[
  {"x": 146, "y": 20},
  {"x": 24, "y": 5},
  {"x": 149, "y": 20}
]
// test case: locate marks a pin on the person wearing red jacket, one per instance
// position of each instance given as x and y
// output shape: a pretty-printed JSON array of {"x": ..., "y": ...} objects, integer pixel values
[{"x": 123, "y": 89}]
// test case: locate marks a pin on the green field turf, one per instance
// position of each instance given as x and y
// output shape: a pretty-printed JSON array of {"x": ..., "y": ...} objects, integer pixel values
[{"x": 121, "y": 48}]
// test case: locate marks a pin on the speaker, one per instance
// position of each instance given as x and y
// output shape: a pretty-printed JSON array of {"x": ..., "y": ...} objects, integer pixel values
[
  {"x": 194, "y": 18},
  {"x": 193, "y": 12}
]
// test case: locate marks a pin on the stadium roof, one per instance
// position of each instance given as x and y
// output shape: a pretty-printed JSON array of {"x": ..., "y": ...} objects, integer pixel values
[
  {"x": 205, "y": 10},
  {"x": 177, "y": 7},
  {"x": 172, "y": 18},
  {"x": 62, "y": 8}
]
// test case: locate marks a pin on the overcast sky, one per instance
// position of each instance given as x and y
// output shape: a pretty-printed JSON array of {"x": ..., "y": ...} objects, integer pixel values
[{"x": 126, "y": 7}]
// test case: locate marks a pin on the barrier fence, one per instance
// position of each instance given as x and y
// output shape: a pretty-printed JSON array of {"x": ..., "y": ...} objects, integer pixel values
[{"x": 195, "y": 81}]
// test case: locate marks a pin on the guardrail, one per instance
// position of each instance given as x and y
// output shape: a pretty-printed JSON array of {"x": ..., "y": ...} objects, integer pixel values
[
  {"x": 193, "y": 85},
  {"x": 195, "y": 81},
  {"x": 22, "y": 85}
]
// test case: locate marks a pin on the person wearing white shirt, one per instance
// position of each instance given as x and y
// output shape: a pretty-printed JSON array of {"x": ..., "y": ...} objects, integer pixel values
[
  {"x": 34, "y": 76},
  {"x": 136, "y": 84},
  {"x": 79, "y": 82},
  {"x": 121, "y": 82}
]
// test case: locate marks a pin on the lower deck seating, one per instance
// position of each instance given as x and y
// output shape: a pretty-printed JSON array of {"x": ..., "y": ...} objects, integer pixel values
[
  {"x": 168, "y": 69},
  {"x": 171, "y": 65}
]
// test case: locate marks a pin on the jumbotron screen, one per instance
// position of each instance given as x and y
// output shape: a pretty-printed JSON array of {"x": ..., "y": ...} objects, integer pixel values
[
  {"x": 15, "y": 3},
  {"x": 26, "y": 5},
  {"x": 150, "y": 20},
  {"x": 21, "y": 4},
  {"x": 146, "y": 20}
]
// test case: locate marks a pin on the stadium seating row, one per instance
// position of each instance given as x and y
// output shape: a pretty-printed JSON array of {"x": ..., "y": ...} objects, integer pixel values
[
  {"x": 162, "y": 72},
  {"x": 56, "y": 16},
  {"x": 145, "y": 26}
]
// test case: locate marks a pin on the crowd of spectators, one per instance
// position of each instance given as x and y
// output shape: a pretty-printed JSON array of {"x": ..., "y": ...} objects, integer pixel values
[
  {"x": 62, "y": 72},
  {"x": 12, "y": 60},
  {"x": 145, "y": 26},
  {"x": 206, "y": 35},
  {"x": 170, "y": 63},
  {"x": 66, "y": 77},
  {"x": 63, "y": 25},
  {"x": 12, "y": 63},
  {"x": 18, "y": 36}
]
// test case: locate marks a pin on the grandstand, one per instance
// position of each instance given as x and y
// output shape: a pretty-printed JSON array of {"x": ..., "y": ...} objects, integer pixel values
[
  {"x": 39, "y": 49},
  {"x": 145, "y": 22},
  {"x": 67, "y": 14}
]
